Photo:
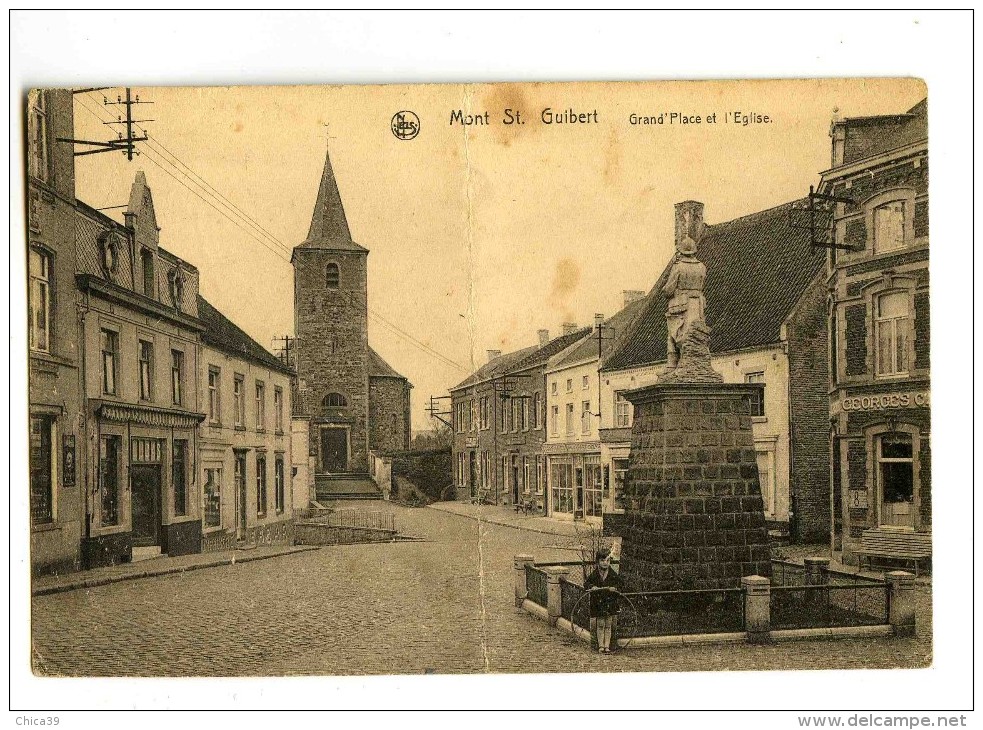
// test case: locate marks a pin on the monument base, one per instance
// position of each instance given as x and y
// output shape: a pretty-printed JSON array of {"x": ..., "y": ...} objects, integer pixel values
[{"x": 694, "y": 518}]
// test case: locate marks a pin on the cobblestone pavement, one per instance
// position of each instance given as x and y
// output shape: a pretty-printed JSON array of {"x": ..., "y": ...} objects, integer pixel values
[{"x": 442, "y": 605}]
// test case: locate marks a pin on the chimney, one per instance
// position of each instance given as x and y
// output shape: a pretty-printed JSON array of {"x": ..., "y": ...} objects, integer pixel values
[
  {"x": 632, "y": 295},
  {"x": 598, "y": 321},
  {"x": 544, "y": 337},
  {"x": 569, "y": 328},
  {"x": 493, "y": 354},
  {"x": 689, "y": 225}
]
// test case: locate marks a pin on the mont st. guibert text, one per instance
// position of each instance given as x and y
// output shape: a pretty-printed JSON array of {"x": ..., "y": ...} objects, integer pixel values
[{"x": 551, "y": 116}]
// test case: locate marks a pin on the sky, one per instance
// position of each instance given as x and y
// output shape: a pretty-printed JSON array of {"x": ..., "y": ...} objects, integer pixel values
[{"x": 478, "y": 235}]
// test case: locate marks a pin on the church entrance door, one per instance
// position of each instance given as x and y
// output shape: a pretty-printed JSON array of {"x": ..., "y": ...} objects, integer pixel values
[{"x": 334, "y": 450}]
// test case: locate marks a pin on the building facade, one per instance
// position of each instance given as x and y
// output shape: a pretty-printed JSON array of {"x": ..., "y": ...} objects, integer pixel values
[
  {"x": 879, "y": 329},
  {"x": 138, "y": 312},
  {"x": 244, "y": 463},
  {"x": 764, "y": 291},
  {"x": 350, "y": 399},
  {"x": 55, "y": 432}
]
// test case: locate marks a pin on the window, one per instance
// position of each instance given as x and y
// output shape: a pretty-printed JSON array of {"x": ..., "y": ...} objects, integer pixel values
[
  {"x": 334, "y": 400},
  {"x": 896, "y": 479},
  {"x": 109, "y": 463},
  {"x": 509, "y": 407},
  {"x": 555, "y": 420},
  {"x": 473, "y": 415},
  {"x": 278, "y": 408},
  {"x": 239, "y": 400},
  {"x": 585, "y": 384},
  {"x": 620, "y": 469},
  {"x": 279, "y": 491},
  {"x": 569, "y": 385},
  {"x": 540, "y": 474},
  {"x": 110, "y": 365},
  {"x": 537, "y": 408},
  {"x": 40, "y": 301},
  {"x": 38, "y": 134},
  {"x": 214, "y": 396},
  {"x": 585, "y": 417},
  {"x": 892, "y": 326},
  {"x": 333, "y": 276},
  {"x": 569, "y": 419},
  {"x": 524, "y": 413},
  {"x": 483, "y": 412},
  {"x": 553, "y": 387},
  {"x": 889, "y": 226},
  {"x": 526, "y": 475},
  {"x": 179, "y": 467},
  {"x": 213, "y": 497},
  {"x": 42, "y": 471},
  {"x": 146, "y": 370},
  {"x": 593, "y": 485},
  {"x": 561, "y": 484},
  {"x": 503, "y": 414},
  {"x": 149, "y": 283},
  {"x": 261, "y": 485},
  {"x": 177, "y": 377},
  {"x": 260, "y": 406},
  {"x": 757, "y": 397},
  {"x": 622, "y": 411},
  {"x": 766, "y": 477}
]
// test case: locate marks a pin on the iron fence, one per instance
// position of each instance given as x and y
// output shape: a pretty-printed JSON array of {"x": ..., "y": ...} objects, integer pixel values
[
  {"x": 572, "y": 608},
  {"x": 785, "y": 573},
  {"x": 365, "y": 519},
  {"x": 536, "y": 585},
  {"x": 826, "y": 606},
  {"x": 671, "y": 613}
]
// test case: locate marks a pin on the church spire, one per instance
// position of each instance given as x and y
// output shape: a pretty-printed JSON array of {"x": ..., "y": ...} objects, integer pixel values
[{"x": 329, "y": 227}]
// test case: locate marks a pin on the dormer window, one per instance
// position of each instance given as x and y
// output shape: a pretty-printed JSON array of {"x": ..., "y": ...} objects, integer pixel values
[
  {"x": 147, "y": 261},
  {"x": 109, "y": 245},
  {"x": 889, "y": 226},
  {"x": 175, "y": 281},
  {"x": 333, "y": 276}
]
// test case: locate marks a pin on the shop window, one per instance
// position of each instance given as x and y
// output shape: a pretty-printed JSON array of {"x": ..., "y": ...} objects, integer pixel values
[
  {"x": 40, "y": 301},
  {"x": 561, "y": 485},
  {"x": 109, "y": 478},
  {"x": 593, "y": 486},
  {"x": 146, "y": 370},
  {"x": 239, "y": 400},
  {"x": 278, "y": 408},
  {"x": 756, "y": 397},
  {"x": 213, "y": 497},
  {"x": 38, "y": 135},
  {"x": 333, "y": 276},
  {"x": 889, "y": 226},
  {"x": 110, "y": 361},
  {"x": 892, "y": 327},
  {"x": 260, "y": 406},
  {"x": 179, "y": 480},
  {"x": 214, "y": 395},
  {"x": 177, "y": 377},
  {"x": 42, "y": 470},
  {"x": 260, "y": 485},
  {"x": 147, "y": 264},
  {"x": 622, "y": 411},
  {"x": 279, "y": 490},
  {"x": 896, "y": 479}
]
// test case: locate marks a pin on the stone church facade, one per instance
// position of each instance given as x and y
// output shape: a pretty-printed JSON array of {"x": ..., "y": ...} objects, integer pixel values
[{"x": 352, "y": 401}]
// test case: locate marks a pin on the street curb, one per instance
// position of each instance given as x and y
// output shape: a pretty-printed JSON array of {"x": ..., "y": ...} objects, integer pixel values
[
  {"x": 494, "y": 521},
  {"x": 106, "y": 580}
]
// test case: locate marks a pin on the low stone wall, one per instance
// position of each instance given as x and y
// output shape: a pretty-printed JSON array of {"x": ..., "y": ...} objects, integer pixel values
[
  {"x": 318, "y": 533},
  {"x": 277, "y": 533}
]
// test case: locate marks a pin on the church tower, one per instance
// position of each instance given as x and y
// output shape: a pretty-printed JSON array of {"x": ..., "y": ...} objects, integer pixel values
[{"x": 331, "y": 326}]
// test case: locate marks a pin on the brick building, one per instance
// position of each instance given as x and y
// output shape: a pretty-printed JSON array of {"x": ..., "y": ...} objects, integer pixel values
[
  {"x": 764, "y": 306},
  {"x": 878, "y": 314},
  {"x": 350, "y": 401},
  {"x": 56, "y": 441}
]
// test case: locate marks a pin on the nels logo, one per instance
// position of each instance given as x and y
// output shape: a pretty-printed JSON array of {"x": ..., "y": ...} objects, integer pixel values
[{"x": 405, "y": 125}]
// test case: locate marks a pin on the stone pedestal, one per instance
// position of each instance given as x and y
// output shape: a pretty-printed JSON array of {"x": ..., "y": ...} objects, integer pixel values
[{"x": 694, "y": 517}]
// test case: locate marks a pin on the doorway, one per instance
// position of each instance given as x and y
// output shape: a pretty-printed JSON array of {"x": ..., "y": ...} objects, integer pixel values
[
  {"x": 472, "y": 481},
  {"x": 240, "y": 487},
  {"x": 145, "y": 504},
  {"x": 515, "y": 479},
  {"x": 334, "y": 450}
]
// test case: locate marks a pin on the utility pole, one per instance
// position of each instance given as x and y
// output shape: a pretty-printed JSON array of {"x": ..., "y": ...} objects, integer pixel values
[
  {"x": 435, "y": 409},
  {"x": 283, "y": 352},
  {"x": 125, "y": 144},
  {"x": 601, "y": 337}
]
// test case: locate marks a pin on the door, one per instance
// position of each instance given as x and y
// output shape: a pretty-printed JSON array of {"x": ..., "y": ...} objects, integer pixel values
[
  {"x": 240, "y": 487},
  {"x": 471, "y": 474},
  {"x": 334, "y": 450},
  {"x": 515, "y": 480},
  {"x": 145, "y": 504},
  {"x": 896, "y": 480}
]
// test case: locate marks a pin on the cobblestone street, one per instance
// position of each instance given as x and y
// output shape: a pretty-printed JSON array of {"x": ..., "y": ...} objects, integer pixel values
[{"x": 444, "y": 604}]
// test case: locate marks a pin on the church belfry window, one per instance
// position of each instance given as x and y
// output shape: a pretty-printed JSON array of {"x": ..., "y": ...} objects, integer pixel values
[
  {"x": 333, "y": 276},
  {"x": 334, "y": 400}
]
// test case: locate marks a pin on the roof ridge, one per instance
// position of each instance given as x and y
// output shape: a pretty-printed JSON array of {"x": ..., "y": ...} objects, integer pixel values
[{"x": 757, "y": 215}]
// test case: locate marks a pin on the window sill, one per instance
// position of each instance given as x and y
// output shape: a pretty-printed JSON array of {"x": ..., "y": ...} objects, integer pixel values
[
  {"x": 46, "y": 527},
  {"x": 211, "y": 530},
  {"x": 260, "y": 430},
  {"x": 278, "y": 432},
  {"x": 239, "y": 428},
  {"x": 215, "y": 424},
  {"x": 759, "y": 419}
]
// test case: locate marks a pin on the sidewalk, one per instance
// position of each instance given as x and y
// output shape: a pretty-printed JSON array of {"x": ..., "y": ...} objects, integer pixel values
[
  {"x": 156, "y": 566},
  {"x": 506, "y": 516}
]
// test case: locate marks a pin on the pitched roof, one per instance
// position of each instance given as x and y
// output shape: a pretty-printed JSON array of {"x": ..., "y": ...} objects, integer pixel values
[
  {"x": 223, "y": 334},
  {"x": 496, "y": 367},
  {"x": 869, "y": 136},
  {"x": 757, "y": 269},
  {"x": 329, "y": 226},
  {"x": 379, "y": 368},
  {"x": 618, "y": 324}
]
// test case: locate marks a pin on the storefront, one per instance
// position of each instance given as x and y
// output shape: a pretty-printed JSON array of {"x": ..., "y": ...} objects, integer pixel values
[{"x": 577, "y": 487}]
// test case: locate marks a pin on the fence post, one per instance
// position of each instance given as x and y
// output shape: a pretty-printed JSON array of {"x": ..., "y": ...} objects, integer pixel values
[
  {"x": 817, "y": 571},
  {"x": 901, "y": 602},
  {"x": 757, "y": 608},
  {"x": 554, "y": 593},
  {"x": 521, "y": 591}
]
